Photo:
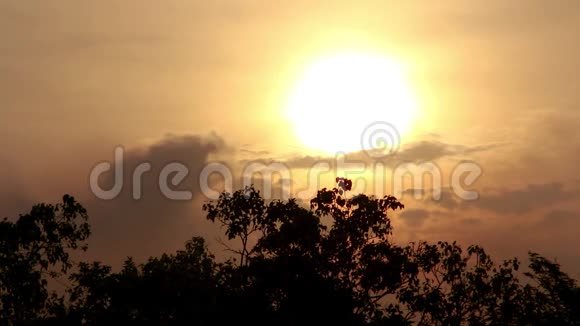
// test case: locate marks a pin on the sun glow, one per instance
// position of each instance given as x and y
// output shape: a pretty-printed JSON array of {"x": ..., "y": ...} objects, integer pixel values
[{"x": 338, "y": 96}]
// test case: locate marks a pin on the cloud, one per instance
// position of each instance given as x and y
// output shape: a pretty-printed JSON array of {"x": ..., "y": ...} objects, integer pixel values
[
  {"x": 254, "y": 153},
  {"x": 448, "y": 199},
  {"x": 520, "y": 201},
  {"x": 434, "y": 150},
  {"x": 154, "y": 224},
  {"x": 415, "y": 217},
  {"x": 502, "y": 201},
  {"x": 418, "y": 152}
]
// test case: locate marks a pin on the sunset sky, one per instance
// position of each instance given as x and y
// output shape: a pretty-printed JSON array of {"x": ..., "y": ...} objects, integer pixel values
[{"x": 494, "y": 83}]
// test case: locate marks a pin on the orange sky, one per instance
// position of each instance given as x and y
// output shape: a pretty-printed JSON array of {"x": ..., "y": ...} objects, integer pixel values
[{"x": 496, "y": 82}]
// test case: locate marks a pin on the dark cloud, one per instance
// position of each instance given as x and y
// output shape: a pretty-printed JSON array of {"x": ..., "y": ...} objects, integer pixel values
[
  {"x": 415, "y": 192},
  {"x": 415, "y": 217},
  {"x": 434, "y": 150},
  {"x": 306, "y": 162},
  {"x": 503, "y": 201},
  {"x": 447, "y": 199},
  {"x": 519, "y": 201},
  {"x": 154, "y": 224},
  {"x": 416, "y": 152}
]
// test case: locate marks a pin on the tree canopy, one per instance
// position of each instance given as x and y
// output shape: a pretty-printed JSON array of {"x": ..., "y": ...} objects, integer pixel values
[{"x": 333, "y": 262}]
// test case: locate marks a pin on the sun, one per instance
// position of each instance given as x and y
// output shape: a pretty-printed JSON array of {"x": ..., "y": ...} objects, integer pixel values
[{"x": 339, "y": 96}]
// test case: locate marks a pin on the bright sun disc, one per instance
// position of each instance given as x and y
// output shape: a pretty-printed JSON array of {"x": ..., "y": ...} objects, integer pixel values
[{"x": 339, "y": 96}]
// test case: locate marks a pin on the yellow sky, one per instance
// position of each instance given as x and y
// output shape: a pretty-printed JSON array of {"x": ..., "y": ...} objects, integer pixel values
[
  {"x": 496, "y": 79},
  {"x": 176, "y": 66}
]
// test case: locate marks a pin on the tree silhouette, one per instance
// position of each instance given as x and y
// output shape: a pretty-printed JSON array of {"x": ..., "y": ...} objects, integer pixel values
[
  {"x": 172, "y": 287},
  {"x": 35, "y": 248},
  {"x": 331, "y": 263}
]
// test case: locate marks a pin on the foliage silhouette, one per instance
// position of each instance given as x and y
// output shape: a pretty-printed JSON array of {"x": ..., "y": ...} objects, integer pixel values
[
  {"x": 34, "y": 248},
  {"x": 332, "y": 263}
]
